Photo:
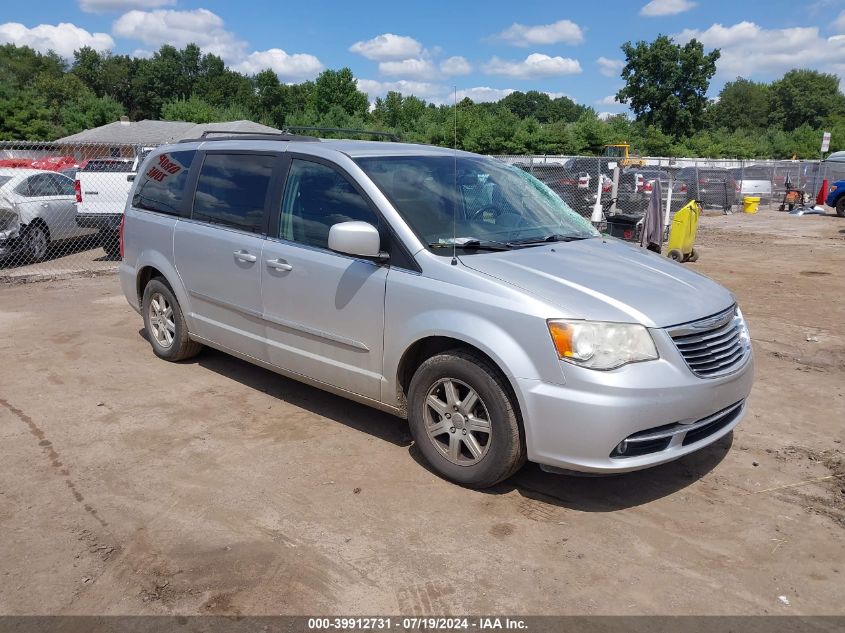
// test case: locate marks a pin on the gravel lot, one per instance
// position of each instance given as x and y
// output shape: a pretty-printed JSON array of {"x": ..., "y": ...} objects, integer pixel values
[{"x": 131, "y": 486}]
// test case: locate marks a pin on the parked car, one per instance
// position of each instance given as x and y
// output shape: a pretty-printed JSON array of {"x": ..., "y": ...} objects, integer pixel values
[
  {"x": 836, "y": 197},
  {"x": 755, "y": 181},
  {"x": 102, "y": 186},
  {"x": 712, "y": 186},
  {"x": 441, "y": 286},
  {"x": 36, "y": 208},
  {"x": 636, "y": 186}
]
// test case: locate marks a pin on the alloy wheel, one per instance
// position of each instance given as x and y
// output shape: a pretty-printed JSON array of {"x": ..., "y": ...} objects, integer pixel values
[
  {"x": 161, "y": 320},
  {"x": 457, "y": 422}
]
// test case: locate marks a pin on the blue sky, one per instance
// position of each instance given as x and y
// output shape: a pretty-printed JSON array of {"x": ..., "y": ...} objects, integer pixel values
[{"x": 484, "y": 48}]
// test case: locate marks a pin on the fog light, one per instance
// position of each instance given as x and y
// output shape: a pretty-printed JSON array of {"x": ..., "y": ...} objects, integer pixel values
[{"x": 622, "y": 447}]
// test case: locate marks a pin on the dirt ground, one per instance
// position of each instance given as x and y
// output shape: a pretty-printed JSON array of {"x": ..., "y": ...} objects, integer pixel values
[{"x": 131, "y": 486}]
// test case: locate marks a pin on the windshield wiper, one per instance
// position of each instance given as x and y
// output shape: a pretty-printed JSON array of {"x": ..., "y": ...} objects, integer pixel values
[
  {"x": 473, "y": 244},
  {"x": 554, "y": 237}
]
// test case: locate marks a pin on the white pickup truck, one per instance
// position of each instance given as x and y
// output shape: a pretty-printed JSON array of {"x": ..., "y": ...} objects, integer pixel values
[{"x": 102, "y": 187}]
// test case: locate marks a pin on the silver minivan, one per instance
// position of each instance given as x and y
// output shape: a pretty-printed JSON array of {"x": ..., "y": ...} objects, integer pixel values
[{"x": 444, "y": 287}]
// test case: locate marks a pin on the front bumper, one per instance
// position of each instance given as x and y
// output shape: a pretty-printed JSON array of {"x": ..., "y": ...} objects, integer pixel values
[
  {"x": 10, "y": 243},
  {"x": 578, "y": 425}
]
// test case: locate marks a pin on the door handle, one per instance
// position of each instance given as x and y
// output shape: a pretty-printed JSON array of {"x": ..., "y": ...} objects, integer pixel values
[
  {"x": 278, "y": 265},
  {"x": 244, "y": 256}
]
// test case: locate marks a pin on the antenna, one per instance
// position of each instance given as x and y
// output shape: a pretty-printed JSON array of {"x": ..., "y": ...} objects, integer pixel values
[{"x": 455, "y": 203}]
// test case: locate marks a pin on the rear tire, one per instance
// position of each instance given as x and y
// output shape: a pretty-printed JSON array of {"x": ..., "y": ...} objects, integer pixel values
[
  {"x": 840, "y": 207},
  {"x": 111, "y": 244},
  {"x": 165, "y": 324},
  {"x": 464, "y": 420}
]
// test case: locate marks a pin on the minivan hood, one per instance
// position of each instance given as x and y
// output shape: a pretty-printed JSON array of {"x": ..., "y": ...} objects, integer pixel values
[{"x": 605, "y": 279}]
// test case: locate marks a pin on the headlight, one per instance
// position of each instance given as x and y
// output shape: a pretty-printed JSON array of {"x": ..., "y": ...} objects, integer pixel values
[
  {"x": 599, "y": 345},
  {"x": 744, "y": 334}
]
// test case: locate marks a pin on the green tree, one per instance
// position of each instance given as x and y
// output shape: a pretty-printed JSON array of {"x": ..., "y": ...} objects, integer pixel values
[
  {"x": 742, "y": 104},
  {"x": 666, "y": 83},
  {"x": 338, "y": 88},
  {"x": 805, "y": 96}
]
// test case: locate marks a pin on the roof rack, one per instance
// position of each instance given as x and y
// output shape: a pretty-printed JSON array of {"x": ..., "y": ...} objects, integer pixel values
[
  {"x": 231, "y": 135},
  {"x": 343, "y": 130}
]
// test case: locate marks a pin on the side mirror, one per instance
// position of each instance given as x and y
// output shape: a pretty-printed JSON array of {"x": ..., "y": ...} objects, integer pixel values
[
  {"x": 130, "y": 177},
  {"x": 356, "y": 238}
]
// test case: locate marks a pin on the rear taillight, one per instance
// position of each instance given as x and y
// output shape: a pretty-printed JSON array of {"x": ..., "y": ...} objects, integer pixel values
[
  {"x": 683, "y": 188},
  {"x": 702, "y": 181},
  {"x": 77, "y": 189},
  {"x": 647, "y": 187},
  {"x": 568, "y": 182},
  {"x": 122, "y": 223}
]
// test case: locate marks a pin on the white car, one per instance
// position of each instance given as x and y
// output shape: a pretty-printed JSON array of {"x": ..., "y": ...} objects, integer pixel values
[{"x": 36, "y": 207}]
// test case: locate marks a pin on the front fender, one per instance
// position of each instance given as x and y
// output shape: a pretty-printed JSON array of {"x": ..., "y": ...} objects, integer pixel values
[{"x": 834, "y": 196}]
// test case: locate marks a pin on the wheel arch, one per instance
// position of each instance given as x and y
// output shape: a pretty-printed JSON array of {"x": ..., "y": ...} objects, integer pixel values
[
  {"x": 151, "y": 265},
  {"x": 427, "y": 346}
]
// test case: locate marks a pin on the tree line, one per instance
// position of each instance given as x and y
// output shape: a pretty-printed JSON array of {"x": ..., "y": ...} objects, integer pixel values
[{"x": 44, "y": 97}]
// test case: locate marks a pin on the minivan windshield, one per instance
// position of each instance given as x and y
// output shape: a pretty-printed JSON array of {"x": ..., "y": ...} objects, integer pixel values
[{"x": 473, "y": 202}]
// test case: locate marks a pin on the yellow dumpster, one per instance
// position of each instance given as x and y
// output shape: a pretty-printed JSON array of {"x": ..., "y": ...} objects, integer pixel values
[
  {"x": 680, "y": 245},
  {"x": 750, "y": 204}
]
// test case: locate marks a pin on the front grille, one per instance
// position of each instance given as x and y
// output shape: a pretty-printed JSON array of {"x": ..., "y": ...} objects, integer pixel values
[
  {"x": 713, "y": 346},
  {"x": 660, "y": 438}
]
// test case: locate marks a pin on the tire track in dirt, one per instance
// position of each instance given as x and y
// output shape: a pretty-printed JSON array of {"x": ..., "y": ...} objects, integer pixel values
[{"x": 55, "y": 461}]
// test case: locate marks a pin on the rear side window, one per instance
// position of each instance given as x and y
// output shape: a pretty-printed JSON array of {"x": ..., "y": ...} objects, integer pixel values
[
  {"x": 232, "y": 190},
  {"x": 160, "y": 187}
]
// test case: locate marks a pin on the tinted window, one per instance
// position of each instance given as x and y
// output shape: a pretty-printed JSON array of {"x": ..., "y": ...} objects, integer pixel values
[
  {"x": 232, "y": 190},
  {"x": 38, "y": 186},
  {"x": 316, "y": 197},
  {"x": 160, "y": 186},
  {"x": 108, "y": 165},
  {"x": 64, "y": 185}
]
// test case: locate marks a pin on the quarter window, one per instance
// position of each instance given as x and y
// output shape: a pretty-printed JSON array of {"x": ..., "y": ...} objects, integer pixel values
[
  {"x": 162, "y": 182},
  {"x": 317, "y": 197},
  {"x": 232, "y": 190}
]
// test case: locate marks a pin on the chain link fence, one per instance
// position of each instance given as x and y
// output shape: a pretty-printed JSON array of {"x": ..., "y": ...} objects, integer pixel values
[{"x": 61, "y": 205}]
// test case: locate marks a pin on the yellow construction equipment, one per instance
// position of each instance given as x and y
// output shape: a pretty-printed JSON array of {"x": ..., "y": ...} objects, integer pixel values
[
  {"x": 621, "y": 152},
  {"x": 681, "y": 243}
]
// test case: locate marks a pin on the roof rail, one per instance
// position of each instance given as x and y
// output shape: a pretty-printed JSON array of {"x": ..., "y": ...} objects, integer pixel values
[
  {"x": 231, "y": 135},
  {"x": 343, "y": 130}
]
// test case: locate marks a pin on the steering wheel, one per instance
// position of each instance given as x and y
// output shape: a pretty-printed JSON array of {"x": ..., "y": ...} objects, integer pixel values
[{"x": 479, "y": 214}]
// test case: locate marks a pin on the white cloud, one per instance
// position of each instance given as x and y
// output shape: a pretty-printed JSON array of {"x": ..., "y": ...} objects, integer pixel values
[
  {"x": 63, "y": 38},
  {"x": 604, "y": 116},
  {"x": 609, "y": 100},
  {"x": 432, "y": 92},
  {"x": 142, "y": 53},
  {"x": 657, "y": 8},
  {"x": 295, "y": 67},
  {"x": 423, "y": 90},
  {"x": 558, "y": 95},
  {"x": 198, "y": 26},
  {"x": 748, "y": 49},
  {"x": 388, "y": 47},
  {"x": 103, "y": 6},
  {"x": 483, "y": 94},
  {"x": 455, "y": 65},
  {"x": 415, "y": 69},
  {"x": 535, "y": 65},
  {"x": 610, "y": 67},
  {"x": 560, "y": 32}
]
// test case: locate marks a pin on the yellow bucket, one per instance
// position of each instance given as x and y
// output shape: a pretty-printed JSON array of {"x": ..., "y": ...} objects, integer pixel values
[{"x": 750, "y": 204}]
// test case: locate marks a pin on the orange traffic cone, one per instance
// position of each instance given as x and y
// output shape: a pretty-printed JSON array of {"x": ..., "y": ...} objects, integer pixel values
[{"x": 822, "y": 195}]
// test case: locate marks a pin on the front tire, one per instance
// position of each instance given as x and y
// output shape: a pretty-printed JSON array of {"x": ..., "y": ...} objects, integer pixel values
[
  {"x": 165, "y": 324},
  {"x": 840, "y": 207},
  {"x": 37, "y": 242},
  {"x": 464, "y": 420}
]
